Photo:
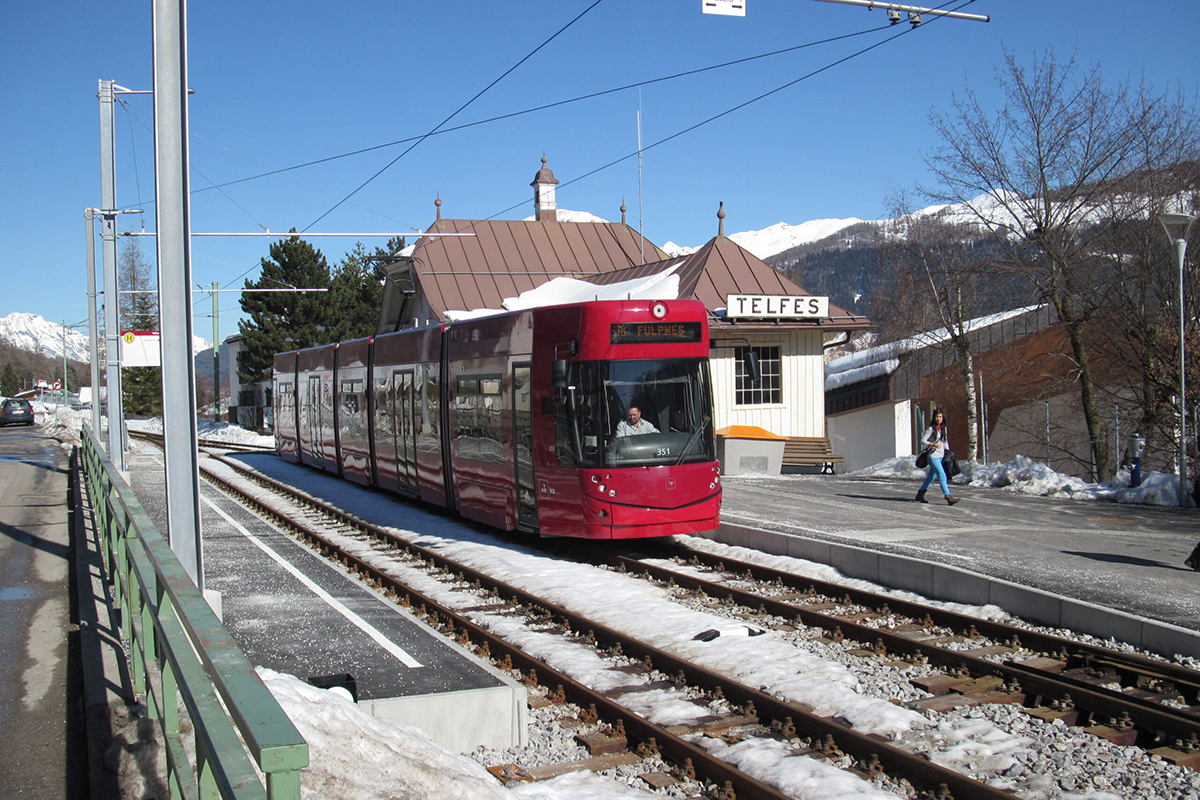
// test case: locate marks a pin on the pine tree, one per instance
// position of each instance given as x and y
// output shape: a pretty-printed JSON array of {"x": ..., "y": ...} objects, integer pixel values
[
  {"x": 141, "y": 387},
  {"x": 10, "y": 384},
  {"x": 356, "y": 292},
  {"x": 282, "y": 321}
]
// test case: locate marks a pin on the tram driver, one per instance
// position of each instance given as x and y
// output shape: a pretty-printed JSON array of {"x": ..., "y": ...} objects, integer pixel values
[{"x": 633, "y": 424}]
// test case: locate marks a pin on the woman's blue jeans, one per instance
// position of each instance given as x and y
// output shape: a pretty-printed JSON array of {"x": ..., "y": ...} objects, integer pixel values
[{"x": 935, "y": 467}]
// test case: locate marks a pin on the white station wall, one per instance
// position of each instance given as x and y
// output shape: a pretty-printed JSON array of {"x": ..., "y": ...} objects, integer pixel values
[
  {"x": 802, "y": 412},
  {"x": 866, "y": 436}
]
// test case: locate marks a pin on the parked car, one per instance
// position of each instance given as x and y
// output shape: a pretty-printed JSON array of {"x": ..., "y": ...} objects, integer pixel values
[{"x": 15, "y": 411}]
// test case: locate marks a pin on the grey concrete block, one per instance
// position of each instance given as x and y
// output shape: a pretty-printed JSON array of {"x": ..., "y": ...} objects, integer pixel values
[
  {"x": 495, "y": 717},
  {"x": 906, "y": 573},
  {"x": 961, "y": 586},
  {"x": 855, "y": 562},
  {"x": 808, "y": 549},
  {"x": 1103, "y": 622}
]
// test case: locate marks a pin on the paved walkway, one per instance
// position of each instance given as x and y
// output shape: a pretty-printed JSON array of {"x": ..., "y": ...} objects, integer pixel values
[
  {"x": 1123, "y": 557},
  {"x": 41, "y": 722}
]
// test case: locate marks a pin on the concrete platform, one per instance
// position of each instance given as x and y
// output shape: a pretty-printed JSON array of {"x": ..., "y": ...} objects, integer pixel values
[
  {"x": 1096, "y": 567},
  {"x": 294, "y": 612}
]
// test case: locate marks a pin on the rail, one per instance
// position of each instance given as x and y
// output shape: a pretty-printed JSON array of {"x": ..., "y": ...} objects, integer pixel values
[{"x": 180, "y": 654}]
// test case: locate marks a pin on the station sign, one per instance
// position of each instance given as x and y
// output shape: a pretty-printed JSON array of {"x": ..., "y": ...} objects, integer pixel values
[
  {"x": 140, "y": 349},
  {"x": 726, "y": 8},
  {"x": 774, "y": 306}
]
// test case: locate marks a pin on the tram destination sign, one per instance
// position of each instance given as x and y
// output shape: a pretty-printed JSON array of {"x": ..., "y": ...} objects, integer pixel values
[
  {"x": 655, "y": 332},
  {"x": 774, "y": 306}
]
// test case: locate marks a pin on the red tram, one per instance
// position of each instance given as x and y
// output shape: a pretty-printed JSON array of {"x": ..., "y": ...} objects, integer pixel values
[{"x": 521, "y": 420}]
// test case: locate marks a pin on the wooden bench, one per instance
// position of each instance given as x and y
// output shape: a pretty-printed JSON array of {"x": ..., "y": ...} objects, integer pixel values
[{"x": 810, "y": 451}]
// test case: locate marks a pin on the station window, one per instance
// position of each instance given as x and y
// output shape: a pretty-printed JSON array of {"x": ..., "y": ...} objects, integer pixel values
[{"x": 769, "y": 390}]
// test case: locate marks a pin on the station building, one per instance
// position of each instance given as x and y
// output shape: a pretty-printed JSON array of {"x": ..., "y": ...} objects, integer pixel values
[{"x": 749, "y": 303}]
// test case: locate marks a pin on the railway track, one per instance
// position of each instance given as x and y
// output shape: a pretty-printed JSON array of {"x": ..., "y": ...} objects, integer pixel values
[
  {"x": 1125, "y": 698},
  {"x": 781, "y": 600},
  {"x": 734, "y": 708}
]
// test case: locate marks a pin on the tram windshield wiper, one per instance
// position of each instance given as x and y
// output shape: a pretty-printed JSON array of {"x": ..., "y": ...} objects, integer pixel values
[{"x": 695, "y": 437}]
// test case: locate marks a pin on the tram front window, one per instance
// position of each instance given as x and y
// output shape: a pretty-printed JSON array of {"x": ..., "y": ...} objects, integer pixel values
[{"x": 645, "y": 412}]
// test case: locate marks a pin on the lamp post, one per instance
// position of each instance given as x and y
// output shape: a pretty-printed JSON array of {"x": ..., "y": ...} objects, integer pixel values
[{"x": 1177, "y": 227}]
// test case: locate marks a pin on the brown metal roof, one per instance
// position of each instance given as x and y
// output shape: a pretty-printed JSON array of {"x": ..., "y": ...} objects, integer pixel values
[
  {"x": 507, "y": 257},
  {"x": 721, "y": 268}
]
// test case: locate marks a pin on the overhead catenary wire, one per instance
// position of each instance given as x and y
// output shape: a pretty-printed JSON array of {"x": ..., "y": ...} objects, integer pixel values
[
  {"x": 479, "y": 94},
  {"x": 737, "y": 107},
  {"x": 546, "y": 106}
]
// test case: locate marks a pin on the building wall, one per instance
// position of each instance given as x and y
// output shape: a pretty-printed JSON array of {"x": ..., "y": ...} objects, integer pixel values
[
  {"x": 802, "y": 412},
  {"x": 868, "y": 435}
]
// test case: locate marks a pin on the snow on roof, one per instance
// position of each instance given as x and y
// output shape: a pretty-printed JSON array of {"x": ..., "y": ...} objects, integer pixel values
[
  {"x": 884, "y": 359},
  {"x": 559, "y": 291}
]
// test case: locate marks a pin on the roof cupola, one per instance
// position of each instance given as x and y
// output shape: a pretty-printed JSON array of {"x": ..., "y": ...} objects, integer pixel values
[{"x": 545, "y": 208}]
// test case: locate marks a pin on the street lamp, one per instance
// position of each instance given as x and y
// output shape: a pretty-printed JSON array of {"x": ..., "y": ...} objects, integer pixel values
[{"x": 1177, "y": 227}]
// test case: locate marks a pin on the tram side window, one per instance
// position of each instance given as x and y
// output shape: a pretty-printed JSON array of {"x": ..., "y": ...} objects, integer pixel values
[
  {"x": 479, "y": 417},
  {"x": 428, "y": 413},
  {"x": 353, "y": 414}
]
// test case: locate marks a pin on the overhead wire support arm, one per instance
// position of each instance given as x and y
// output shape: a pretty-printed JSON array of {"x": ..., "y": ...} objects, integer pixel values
[{"x": 918, "y": 10}]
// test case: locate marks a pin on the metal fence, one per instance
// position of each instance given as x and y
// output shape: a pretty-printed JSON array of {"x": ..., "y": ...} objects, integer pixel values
[
  {"x": 184, "y": 661},
  {"x": 1054, "y": 432}
]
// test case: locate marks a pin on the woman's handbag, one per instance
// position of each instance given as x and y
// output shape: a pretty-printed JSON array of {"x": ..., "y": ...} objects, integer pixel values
[
  {"x": 923, "y": 459},
  {"x": 950, "y": 464}
]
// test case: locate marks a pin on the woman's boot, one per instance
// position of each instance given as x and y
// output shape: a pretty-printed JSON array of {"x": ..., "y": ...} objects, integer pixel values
[
  {"x": 951, "y": 500},
  {"x": 921, "y": 497}
]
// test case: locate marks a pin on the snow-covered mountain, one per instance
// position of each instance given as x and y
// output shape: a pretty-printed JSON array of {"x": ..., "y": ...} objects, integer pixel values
[
  {"x": 39, "y": 335},
  {"x": 778, "y": 237}
]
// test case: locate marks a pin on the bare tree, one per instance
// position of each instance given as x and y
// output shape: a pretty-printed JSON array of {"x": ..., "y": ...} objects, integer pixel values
[
  {"x": 941, "y": 282},
  {"x": 1036, "y": 175}
]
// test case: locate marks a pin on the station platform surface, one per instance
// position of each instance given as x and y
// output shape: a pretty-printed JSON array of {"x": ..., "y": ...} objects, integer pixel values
[
  {"x": 1098, "y": 567},
  {"x": 293, "y": 611}
]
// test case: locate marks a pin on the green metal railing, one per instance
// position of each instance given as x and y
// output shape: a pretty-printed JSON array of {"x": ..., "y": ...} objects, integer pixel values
[{"x": 179, "y": 651}]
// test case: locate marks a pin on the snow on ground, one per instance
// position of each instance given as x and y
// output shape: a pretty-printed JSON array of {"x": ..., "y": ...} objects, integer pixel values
[
  {"x": 66, "y": 425},
  {"x": 208, "y": 429},
  {"x": 1026, "y": 476}
]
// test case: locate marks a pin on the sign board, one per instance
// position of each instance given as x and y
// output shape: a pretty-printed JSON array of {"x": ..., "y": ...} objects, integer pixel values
[
  {"x": 774, "y": 306},
  {"x": 654, "y": 332},
  {"x": 56, "y": 386},
  {"x": 140, "y": 349},
  {"x": 728, "y": 8}
]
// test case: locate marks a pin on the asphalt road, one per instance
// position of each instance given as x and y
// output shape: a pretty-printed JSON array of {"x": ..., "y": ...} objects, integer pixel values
[
  {"x": 41, "y": 730},
  {"x": 1119, "y": 556}
]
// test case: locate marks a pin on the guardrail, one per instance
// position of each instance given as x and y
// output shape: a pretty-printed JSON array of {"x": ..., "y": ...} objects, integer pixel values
[{"x": 179, "y": 651}]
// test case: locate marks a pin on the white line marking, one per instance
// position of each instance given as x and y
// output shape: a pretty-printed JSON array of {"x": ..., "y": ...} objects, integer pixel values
[{"x": 361, "y": 623}]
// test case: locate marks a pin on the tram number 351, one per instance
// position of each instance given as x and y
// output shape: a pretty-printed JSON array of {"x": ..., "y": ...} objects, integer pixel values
[{"x": 662, "y": 452}]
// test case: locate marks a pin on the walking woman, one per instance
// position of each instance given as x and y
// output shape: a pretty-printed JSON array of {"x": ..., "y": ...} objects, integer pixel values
[{"x": 934, "y": 440}]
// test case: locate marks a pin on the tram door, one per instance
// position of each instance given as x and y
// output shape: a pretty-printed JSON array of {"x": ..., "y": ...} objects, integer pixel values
[
  {"x": 316, "y": 427},
  {"x": 522, "y": 388},
  {"x": 406, "y": 432}
]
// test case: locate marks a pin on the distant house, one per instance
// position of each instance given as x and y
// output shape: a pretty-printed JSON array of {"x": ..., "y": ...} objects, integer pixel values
[{"x": 750, "y": 304}]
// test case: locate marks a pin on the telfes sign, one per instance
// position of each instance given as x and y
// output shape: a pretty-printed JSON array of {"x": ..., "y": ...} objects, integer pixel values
[{"x": 774, "y": 306}]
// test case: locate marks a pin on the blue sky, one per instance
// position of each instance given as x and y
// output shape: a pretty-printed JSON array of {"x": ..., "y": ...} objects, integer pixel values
[{"x": 281, "y": 84}]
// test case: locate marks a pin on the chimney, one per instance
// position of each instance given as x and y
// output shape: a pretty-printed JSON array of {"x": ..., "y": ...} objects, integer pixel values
[{"x": 544, "y": 207}]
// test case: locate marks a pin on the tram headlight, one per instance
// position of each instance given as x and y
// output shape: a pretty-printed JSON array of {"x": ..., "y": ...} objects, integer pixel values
[
  {"x": 612, "y": 492},
  {"x": 595, "y": 479},
  {"x": 602, "y": 488}
]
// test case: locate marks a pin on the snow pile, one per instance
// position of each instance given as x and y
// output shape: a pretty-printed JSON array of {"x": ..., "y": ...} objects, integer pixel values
[
  {"x": 208, "y": 429},
  {"x": 356, "y": 756},
  {"x": 663, "y": 286},
  {"x": 1026, "y": 476}
]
